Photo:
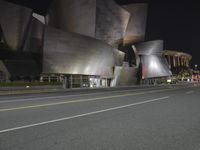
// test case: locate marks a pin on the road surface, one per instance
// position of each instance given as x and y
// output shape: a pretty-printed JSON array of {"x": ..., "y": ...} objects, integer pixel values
[{"x": 131, "y": 118}]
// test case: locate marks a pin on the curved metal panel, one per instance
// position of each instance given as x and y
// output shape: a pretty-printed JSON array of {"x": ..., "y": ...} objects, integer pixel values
[
  {"x": 69, "y": 53},
  {"x": 137, "y": 58},
  {"x": 76, "y": 16},
  {"x": 35, "y": 36},
  {"x": 154, "y": 66},
  {"x": 39, "y": 17},
  {"x": 124, "y": 76},
  {"x": 14, "y": 20},
  {"x": 102, "y": 19},
  {"x": 153, "y": 62},
  {"x": 119, "y": 57},
  {"x": 150, "y": 48},
  {"x": 135, "y": 30},
  {"x": 111, "y": 21}
]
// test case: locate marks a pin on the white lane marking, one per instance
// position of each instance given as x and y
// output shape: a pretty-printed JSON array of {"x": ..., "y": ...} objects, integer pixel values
[
  {"x": 83, "y": 115},
  {"x": 189, "y": 92},
  {"x": 79, "y": 100},
  {"x": 2, "y": 100},
  {"x": 73, "y": 95}
]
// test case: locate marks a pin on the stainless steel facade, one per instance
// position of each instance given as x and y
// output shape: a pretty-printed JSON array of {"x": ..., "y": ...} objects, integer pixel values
[
  {"x": 111, "y": 22},
  {"x": 70, "y": 53},
  {"x": 14, "y": 20},
  {"x": 100, "y": 19},
  {"x": 34, "y": 38},
  {"x": 135, "y": 30},
  {"x": 119, "y": 57},
  {"x": 153, "y": 61},
  {"x": 150, "y": 48},
  {"x": 76, "y": 16},
  {"x": 124, "y": 76},
  {"x": 154, "y": 66},
  {"x": 107, "y": 21},
  {"x": 81, "y": 39}
]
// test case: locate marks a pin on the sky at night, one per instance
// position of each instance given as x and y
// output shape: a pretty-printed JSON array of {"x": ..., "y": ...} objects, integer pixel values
[{"x": 176, "y": 22}]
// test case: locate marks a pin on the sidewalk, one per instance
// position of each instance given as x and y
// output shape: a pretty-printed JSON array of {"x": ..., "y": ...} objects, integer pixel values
[{"x": 50, "y": 89}]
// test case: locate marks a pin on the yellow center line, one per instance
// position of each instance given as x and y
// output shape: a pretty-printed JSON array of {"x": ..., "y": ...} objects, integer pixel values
[
  {"x": 26, "y": 92},
  {"x": 81, "y": 100}
]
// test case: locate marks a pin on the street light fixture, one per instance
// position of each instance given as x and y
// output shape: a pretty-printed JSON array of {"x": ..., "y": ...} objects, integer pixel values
[{"x": 195, "y": 66}]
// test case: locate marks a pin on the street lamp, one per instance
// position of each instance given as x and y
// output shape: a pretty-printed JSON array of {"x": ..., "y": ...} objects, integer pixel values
[{"x": 195, "y": 66}]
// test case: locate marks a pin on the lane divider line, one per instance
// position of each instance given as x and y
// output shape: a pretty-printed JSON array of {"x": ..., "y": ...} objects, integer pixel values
[
  {"x": 79, "y": 100},
  {"x": 73, "y": 95},
  {"x": 189, "y": 92},
  {"x": 3, "y": 100},
  {"x": 47, "y": 91},
  {"x": 83, "y": 115}
]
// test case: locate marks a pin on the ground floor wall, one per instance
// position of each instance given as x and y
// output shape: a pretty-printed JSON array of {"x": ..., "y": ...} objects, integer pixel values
[{"x": 77, "y": 80}]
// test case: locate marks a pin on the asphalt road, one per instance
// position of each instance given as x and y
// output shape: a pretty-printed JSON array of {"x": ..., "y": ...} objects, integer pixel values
[{"x": 131, "y": 118}]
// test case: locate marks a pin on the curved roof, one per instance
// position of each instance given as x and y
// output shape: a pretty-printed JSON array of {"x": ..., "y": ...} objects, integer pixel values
[{"x": 177, "y": 53}]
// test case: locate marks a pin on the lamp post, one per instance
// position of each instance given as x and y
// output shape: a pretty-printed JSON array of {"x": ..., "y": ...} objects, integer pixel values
[
  {"x": 195, "y": 66},
  {"x": 196, "y": 72}
]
